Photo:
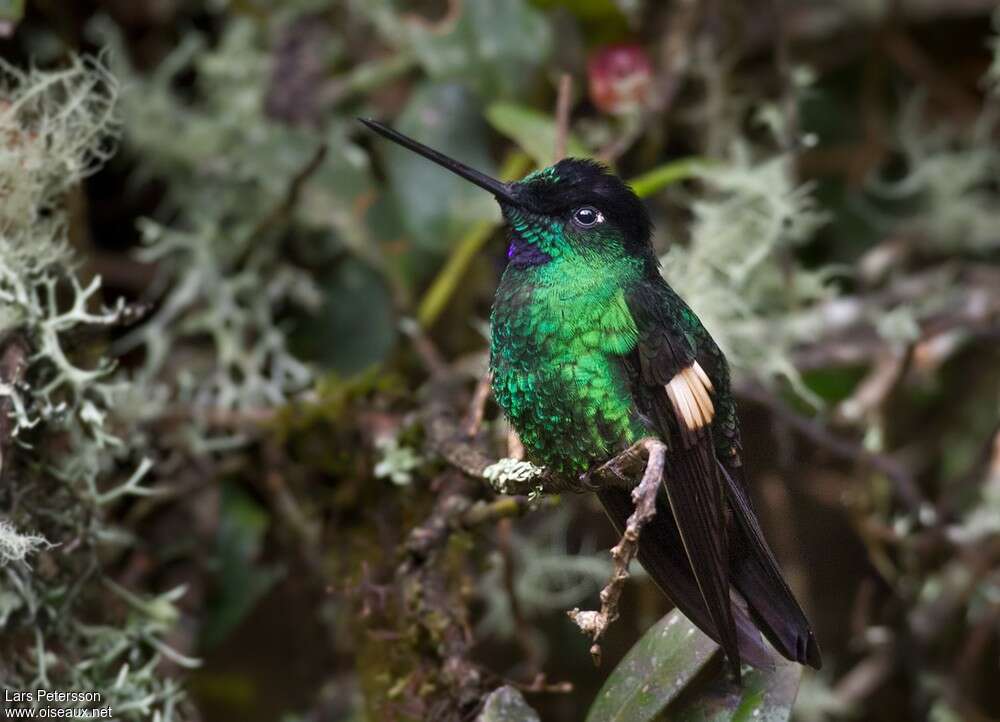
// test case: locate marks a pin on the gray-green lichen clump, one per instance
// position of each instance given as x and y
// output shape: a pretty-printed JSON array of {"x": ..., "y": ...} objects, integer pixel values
[{"x": 65, "y": 464}]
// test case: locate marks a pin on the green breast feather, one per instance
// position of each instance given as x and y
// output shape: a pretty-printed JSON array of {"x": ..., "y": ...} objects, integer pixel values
[{"x": 559, "y": 331}]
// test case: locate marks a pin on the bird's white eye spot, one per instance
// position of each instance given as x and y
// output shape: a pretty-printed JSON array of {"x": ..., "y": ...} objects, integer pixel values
[{"x": 587, "y": 216}]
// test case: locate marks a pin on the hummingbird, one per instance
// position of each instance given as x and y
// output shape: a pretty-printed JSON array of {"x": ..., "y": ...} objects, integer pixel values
[{"x": 591, "y": 351}]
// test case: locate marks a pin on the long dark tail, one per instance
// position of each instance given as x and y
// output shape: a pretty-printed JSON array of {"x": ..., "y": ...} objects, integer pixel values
[
  {"x": 761, "y": 600},
  {"x": 755, "y": 573},
  {"x": 661, "y": 553}
]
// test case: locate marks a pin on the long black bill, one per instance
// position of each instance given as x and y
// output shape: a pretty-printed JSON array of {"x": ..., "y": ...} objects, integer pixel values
[{"x": 500, "y": 190}]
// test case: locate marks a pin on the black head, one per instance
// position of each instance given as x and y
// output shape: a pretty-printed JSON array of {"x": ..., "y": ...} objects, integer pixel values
[{"x": 575, "y": 188}]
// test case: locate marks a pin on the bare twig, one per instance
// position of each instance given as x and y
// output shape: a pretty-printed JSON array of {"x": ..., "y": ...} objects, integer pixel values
[
  {"x": 563, "y": 104},
  {"x": 912, "y": 60},
  {"x": 522, "y": 630},
  {"x": 644, "y": 497},
  {"x": 541, "y": 684},
  {"x": 304, "y": 528},
  {"x": 430, "y": 356},
  {"x": 283, "y": 210},
  {"x": 876, "y": 388},
  {"x": 783, "y": 63},
  {"x": 444, "y": 435},
  {"x": 477, "y": 409},
  {"x": 865, "y": 677},
  {"x": 815, "y": 431},
  {"x": 515, "y": 449}
]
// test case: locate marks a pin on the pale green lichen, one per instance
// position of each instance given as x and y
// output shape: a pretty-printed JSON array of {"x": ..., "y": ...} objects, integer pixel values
[
  {"x": 15, "y": 547},
  {"x": 396, "y": 463},
  {"x": 506, "y": 473},
  {"x": 222, "y": 264},
  {"x": 753, "y": 211},
  {"x": 949, "y": 175},
  {"x": 58, "y": 126}
]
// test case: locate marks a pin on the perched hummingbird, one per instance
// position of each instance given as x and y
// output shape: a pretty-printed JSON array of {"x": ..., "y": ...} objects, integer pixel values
[{"x": 591, "y": 351}]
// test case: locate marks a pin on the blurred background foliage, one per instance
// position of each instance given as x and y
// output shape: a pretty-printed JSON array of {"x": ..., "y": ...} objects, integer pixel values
[{"x": 226, "y": 315}]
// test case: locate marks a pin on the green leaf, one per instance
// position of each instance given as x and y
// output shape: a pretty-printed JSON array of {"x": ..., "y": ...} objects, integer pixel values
[
  {"x": 492, "y": 47},
  {"x": 765, "y": 696},
  {"x": 506, "y": 704},
  {"x": 436, "y": 206},
  {"x": 242, "y": 581},
  {"x": 11, "y": 11},
  {"x": 652, "y": 181},
  {"x": 533, "y": 131},
  {"x": 354, "y": 328},
  {"x": 663, "y": 678},
  {"x": 654, "y": 672},
  {"x": 603, "y": 21}
]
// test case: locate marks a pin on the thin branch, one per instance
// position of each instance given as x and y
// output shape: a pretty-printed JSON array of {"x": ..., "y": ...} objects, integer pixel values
[
  {"x": 477, "y": 409},
  {"x": 644, "y": 498},
  {"x": 515, "y": 448},
  {"x": 283, "y": 210},
  {"x": 428, "y": 353},
  {"x": 563, "y": 104},
  {"x": 901, "y": 478},
  {"x": 875, "y": 389}
]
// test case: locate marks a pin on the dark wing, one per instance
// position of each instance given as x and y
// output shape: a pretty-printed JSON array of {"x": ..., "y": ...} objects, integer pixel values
[
  {"x": 753, "y": 569},
  {"x": 674, "y": 392},
  {"x": 751, "y": 565}
]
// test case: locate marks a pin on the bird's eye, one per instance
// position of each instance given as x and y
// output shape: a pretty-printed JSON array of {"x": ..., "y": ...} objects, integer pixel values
[{"x": 587, "y": 216}]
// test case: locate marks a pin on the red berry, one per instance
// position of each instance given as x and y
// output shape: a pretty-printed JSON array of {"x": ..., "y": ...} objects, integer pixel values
[{"x": 619, "y": 77}]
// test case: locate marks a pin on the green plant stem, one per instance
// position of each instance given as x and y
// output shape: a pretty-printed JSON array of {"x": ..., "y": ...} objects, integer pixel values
[{"x": 652, "y": 181}]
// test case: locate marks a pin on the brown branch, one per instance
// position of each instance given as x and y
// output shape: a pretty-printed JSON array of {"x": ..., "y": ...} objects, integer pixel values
[
  {"x": 541, "y": 684},
  {"x": 532, "y": 656},
  {"x": 644, "y": 497},
  {"x": 284, "y": 209},
  {"x": 563, "y": 104},
  {"x": 783, "y": 65},
  {"x": 477, "y": 409},
  {"x": 428, "y": 353},
  {"x": 515, "y": 448},
  {"x": 428, "y": 592},
  {"x": 429, "y": 599},
  {"x": 444, "y": 435},
  {"x": 875, "y": 389},
  {"x": 814, "y": 430},
  {"x": 913, "y": 61}
]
